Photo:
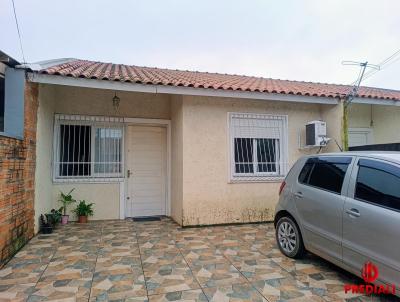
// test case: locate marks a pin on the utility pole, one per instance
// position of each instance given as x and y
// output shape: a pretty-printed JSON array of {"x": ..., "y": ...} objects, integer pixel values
[{"x": 350, "y": 96}]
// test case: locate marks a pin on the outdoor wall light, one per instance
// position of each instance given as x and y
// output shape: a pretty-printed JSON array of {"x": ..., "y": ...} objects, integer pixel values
[{"x": 116, "y": 100}]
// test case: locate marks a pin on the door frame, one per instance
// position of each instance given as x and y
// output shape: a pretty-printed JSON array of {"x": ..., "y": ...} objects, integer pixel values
[{"x": 124, "y": 185}]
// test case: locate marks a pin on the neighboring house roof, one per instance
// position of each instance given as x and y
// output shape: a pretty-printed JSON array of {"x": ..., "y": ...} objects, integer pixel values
[
  {"x": 6, "y": 59},
  {"x": 156, "y": 76}
]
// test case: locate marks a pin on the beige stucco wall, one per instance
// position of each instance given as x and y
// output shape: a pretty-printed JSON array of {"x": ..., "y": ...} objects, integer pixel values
[
  {"x": 176, "y": 158},
  {"x": 104, "y": 196},
  {"x": 208, "y": 197},
  {"x": 75, "y": 100},
  {"x": 333, "y": 116},
  {"x": 44, "y": 148}
]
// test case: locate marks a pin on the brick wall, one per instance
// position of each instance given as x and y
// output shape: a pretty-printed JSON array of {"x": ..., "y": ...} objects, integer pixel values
[{"x": 17, "y": 181}]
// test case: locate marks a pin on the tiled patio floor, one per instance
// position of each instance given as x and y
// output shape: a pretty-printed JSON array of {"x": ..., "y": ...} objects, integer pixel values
[{"x": 159, "y": 261}]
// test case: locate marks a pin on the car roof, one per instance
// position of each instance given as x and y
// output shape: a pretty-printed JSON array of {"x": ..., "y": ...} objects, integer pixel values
[{"x": 385, "y": 155}]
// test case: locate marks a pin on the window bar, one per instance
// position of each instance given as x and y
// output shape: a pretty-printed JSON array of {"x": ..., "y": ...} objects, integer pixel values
[
  {"x": 109, "y": 157},
  {"x": 107, "y": 153},
  {"x": 68, "y": 150},
  {"x": 103, "y": 135},
  {"x": 92, "y": 156},
  {"x": 264, "y": 159},
  {"x": 279, "y": 158},
  {"x": 281, "y": 166},
  {"x": 120, "y": 154},
  {"x": 84, "y": 151},
  {"x": 114, "y": 148},
  {"x": 61, "y": 148},
  {"x": 73, "y": 148},
  {"x": 270, "y": 158},
  {"x": 241, "y": 159},
  {"x": 115, "y": 170},
  {"x": 237, "y": 154},
  {"x": 253, "y": 143},
  {"x": 108, "y": 140},
  {"x": 250, "y": 152}
]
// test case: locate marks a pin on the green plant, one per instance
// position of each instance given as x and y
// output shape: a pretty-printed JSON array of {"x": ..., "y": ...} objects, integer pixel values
[
  {"x": 66, "y": 199},
  {"x": 54, "y": 216},
  {"x": 84, "y": 209}
]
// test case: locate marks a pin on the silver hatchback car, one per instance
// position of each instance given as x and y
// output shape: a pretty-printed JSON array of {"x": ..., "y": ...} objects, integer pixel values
[{"x": 344, "y": 207}]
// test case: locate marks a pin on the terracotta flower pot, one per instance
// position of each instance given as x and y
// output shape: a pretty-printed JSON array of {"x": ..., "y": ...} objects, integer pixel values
[
  {"x": 64, "y": 219},
  {"x": 82, "y": 219}
]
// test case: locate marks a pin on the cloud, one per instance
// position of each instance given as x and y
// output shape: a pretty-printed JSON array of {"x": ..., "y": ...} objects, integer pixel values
[{"x": 300, "y": 40}]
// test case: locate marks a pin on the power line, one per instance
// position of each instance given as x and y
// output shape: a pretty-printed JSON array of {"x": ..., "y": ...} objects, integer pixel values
[
  {"x": 393, "y": 58},
  {"x": 19, "y": 33}
]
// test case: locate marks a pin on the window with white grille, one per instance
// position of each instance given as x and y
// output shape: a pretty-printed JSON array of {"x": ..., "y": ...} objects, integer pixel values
[
  {"x": 258, "y": 146},
  {"x": 88, "y": 148}
]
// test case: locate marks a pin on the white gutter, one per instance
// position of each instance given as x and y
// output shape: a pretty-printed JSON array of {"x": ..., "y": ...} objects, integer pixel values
[{"x": 122, "y": 86}]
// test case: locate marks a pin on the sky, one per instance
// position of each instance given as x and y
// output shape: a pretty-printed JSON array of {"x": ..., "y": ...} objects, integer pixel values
[{"x": 303, "y": 40}]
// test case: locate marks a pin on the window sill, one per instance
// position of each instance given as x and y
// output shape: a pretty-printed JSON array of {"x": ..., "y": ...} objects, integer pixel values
[
  {"x": 88, "y": 180},
  {"x": 257, "y": 179}
]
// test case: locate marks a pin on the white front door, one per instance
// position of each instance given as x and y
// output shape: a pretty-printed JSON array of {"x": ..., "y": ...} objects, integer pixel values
[{"x": 146, "y": 165}]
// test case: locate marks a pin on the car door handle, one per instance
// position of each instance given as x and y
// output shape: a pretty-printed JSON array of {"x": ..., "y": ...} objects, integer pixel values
[
  {"x": 298, "y": 194},
  {"x": 353, "y": 212}
]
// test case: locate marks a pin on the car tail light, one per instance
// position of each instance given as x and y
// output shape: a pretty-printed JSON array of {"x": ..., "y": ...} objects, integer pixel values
[{"x": 283, "y": 184}]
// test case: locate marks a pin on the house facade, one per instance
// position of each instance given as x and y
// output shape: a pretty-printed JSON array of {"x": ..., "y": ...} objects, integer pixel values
[{"x": 201, "y": 148}]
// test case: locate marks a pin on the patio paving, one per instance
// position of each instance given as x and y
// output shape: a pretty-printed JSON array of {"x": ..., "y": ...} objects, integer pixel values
[{"x": 159, "y": 261}]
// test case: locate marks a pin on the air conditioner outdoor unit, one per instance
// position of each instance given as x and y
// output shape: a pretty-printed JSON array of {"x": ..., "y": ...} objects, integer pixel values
[{"x": 316, "y": 134}]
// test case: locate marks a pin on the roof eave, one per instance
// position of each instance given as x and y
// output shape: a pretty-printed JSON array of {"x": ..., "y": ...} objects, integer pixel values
[{"x": 180, "y": 90}]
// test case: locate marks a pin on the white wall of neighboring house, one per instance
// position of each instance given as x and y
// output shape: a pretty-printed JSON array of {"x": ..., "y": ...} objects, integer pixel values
[{"x": 382, "y": 122}]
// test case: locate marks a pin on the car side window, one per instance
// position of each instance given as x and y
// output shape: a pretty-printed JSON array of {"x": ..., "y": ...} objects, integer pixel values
[
  {"x": 378, "y": 183},
  {"x": 326, "y": 173}
]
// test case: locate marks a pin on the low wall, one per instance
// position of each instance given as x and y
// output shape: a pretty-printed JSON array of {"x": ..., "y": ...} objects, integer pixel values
[{"x": 17, "y": 178}]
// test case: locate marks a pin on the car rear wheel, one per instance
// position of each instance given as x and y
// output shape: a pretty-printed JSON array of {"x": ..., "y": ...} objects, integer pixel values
[{"x": 289, "y": 238}]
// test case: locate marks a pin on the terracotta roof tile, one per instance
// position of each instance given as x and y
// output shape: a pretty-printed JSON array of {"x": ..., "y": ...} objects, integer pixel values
[{"x": 157, "y": 76}]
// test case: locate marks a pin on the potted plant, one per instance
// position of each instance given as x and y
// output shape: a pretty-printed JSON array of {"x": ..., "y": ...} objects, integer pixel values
[
  {"x": 54, "y": 217},
  {"x": 45, "y": 225},
  {"x": 66, "y": 199},
  {"x": 83, "y": 210}
]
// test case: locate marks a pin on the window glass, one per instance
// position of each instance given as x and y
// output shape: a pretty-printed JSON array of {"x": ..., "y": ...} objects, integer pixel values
[
  {"x": 75, "y": 150},
  {"x": 305, "y": 173},
  {"x": 266, "y": 157},
  {"x": 244, "y": 155},
  {"x": 108, "y": 150},
  {"x": 2, "y": 98},
  {"x": 267, "y": 152},
  {"x": 379, "y": 185},
  {"x": 326, "y": 173}
]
